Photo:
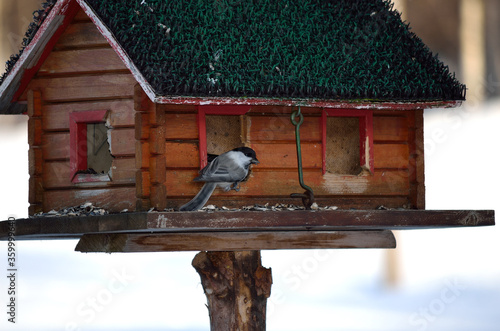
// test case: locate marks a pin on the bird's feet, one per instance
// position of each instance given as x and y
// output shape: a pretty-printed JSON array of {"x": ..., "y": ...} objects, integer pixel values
[{"x": 235, "y": 186}]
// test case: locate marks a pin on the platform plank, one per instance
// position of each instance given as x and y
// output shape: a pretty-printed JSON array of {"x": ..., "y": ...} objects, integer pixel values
[
  {"x": 233, "y": 241},
  {"x": 240, "y": 221}
]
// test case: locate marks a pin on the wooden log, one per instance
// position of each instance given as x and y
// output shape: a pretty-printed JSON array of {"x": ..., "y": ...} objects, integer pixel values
[
  {"x": 85, "y": 87},
  {"x": 57, "y": 174},
  {"x": 35, "y": 153},
  {"x": 36, "y": 190},
  {"x": 142, "y": 184},
  {"x": 284, "y": 155},
  {"x": 281, "y": 183},
  {"x": 393, "y": 128},
  {"x": 234, "y": 241},
  {"x": 181, "y": 127},
  {"x": 113, "y": 199},
  {"x": 279, "y": 128},
  {"x": 156, "y": 114},
  {"x": 237, "y": 287},
  {"x": 122, "y": 142},
  {"x": 158, "y": 169},
  {"x": 34, "y": 103},
  {"x": 142, "y": 154},
  {"x": 55, "y": 146},
  {"x": 158, "y": 196},
  {"x": 81, "y": 35},
  {"x": 157, "y": 140},
  {"x": 416, "y": 161},
  {"x": 391, "y": 156},
  {"x": 121, "y": 113},
  {"x": 77, "y": 61},
  {"x": 141, "y": 126},
  {"x": 35, "y": 131},
  {"x": 35, "y": 158},
  {"x": 182, "y": 155}
]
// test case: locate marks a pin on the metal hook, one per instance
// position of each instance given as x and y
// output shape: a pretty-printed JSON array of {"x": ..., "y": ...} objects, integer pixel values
[{"x": 308, "y": 195}]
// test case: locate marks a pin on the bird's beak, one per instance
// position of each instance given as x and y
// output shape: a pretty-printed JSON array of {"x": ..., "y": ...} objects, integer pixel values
[{"x": 255, "y": 161}]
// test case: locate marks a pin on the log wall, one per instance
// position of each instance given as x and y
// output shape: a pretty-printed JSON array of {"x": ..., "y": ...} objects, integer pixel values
[
  {"x": 81, "y": 73},
  {"x": 397, "y": 180}
]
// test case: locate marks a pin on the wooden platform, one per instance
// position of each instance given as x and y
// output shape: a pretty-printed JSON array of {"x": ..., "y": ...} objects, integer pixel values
[{"x": 241, "y": 230}]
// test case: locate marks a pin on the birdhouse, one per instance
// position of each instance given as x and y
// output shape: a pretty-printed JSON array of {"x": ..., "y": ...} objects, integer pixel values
[{"x": 128, "y": 101}]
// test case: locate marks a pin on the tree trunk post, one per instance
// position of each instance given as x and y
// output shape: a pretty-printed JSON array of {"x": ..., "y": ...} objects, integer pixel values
[{"x": 237, "y": 287}]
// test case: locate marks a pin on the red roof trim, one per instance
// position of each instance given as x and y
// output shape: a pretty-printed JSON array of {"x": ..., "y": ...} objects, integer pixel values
[{"x": 336, "y": 104}]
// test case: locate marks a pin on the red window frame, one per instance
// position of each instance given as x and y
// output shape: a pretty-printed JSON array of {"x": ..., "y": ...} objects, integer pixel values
[
  {"x": 365, "y": 134},
  {"x": 78, "y": 144},
  {"x": 204, "y": 110}
]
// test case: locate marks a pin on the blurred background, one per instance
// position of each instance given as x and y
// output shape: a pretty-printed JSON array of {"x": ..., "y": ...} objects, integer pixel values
[{"x": 446, "y": 279}]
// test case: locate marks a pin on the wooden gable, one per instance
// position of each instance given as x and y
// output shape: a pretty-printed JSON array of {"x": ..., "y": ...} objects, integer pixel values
[{"x": 81, "y": 73}]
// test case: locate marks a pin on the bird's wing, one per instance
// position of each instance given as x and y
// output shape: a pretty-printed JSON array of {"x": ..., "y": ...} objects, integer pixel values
[{"x": 222, "y": 169}]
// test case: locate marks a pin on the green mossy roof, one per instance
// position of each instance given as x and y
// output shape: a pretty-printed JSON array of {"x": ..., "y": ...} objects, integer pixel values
[{"x": 330, "y": 49}]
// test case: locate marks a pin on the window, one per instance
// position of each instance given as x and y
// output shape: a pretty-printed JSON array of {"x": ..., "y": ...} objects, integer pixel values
[
  {"x": 347, "y": 141},
  {"x": 90, "y": 157},
  {"x": 220, "y": 129}
]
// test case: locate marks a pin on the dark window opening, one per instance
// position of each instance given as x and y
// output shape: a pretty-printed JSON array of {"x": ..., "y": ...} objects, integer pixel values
[
  {"x": 98, "y": 155},
  {"x": 342, "y": 145},
  {"x": 223, "y": 133}
]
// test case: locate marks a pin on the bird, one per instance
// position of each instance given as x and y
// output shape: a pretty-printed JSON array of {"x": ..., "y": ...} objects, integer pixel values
[{"x": 225, "y": 171}]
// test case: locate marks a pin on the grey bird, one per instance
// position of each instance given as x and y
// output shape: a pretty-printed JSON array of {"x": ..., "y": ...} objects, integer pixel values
[{"x": 226, "y": 171}]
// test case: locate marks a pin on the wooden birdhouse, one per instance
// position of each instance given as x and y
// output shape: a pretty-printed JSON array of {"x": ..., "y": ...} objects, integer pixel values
[
  {"x": 128, "y": 100},
  {"x": 126, "y": 103}
]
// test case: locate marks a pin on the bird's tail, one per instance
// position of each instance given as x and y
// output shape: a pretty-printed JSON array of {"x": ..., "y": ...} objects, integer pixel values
[{"x": 200, "y": 199}]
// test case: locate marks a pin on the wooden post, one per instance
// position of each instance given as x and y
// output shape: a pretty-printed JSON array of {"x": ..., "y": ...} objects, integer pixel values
[{"x": 237, "y": 288}]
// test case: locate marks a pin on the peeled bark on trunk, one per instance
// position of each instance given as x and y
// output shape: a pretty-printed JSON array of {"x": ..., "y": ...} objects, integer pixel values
[{"x": 237, "y": 288}]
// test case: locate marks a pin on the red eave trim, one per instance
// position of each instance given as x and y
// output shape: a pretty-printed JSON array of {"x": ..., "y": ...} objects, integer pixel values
[
  {"x": 66, "y": 8},
  {"x": 337, "y": 104}
]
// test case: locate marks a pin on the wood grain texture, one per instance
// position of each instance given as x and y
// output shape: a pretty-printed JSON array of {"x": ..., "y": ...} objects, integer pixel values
[
  {"x": 234, "y": 241},
  {"x": 284, "y": 182},
  {"x": 417, "y": 163},
  {"x": 391, "y": 156},
  {"x": 122, "y": 142},
  {"x": 181, "y": 127},
  {"x": 55, "y": 116},
  {"x": 81, "y": 35},
  {"x": 182, "y": 155},
  {"x": 113, "y": 199},
  {"x": 81, "y": 61},
  {"x": 89, "y": 87},
  {"x": 284, "y": 155},
  {"x": 57, "y": 174},
  {"x": 242, "y": 221},
  {"x": 56, "y": 145},
  {"x": 143, "y": 184},
  {"x": 237, "y": 287},
  {"x": 279, "y": 128},
  {"x": 390, "y": 128}
]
